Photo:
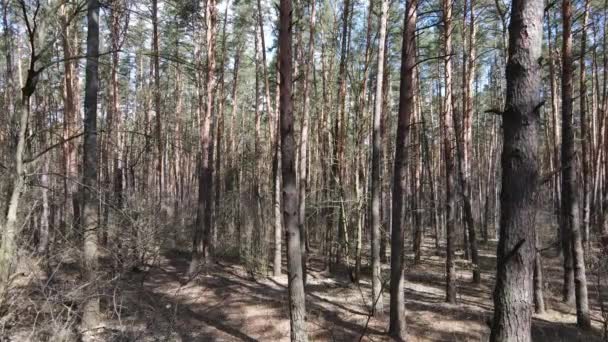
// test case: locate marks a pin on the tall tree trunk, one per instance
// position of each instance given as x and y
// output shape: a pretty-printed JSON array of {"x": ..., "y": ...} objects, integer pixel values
[
  {"x": 386, "y": 193},
  {"x": 70, "y": 81},
  {"x": 157, "y": 105},
  {"x": 112, "y": 148},
  {"x": 202, "y": 247},
  {"x": 468, "y": 143},
  {"x": 520, "y": 177},
  {"x": 359, "y": 174},
  {"x": 219, "y": 132},
  {"x": 265, "y": 71},
  {"x": 278, "y": 227},
  {"x": 303, "y": 172},
  {"x": 568, "y": 169},
  {"x": 448, "y": 135},
  {"x": 574, "y": 260},
  {"x": 377, "y": 161},
  {"x": 297, "y": 307},
  {"x": 585, "y": 138},
  {"x": 339, "y": 140},
  {"x": 398, "y": 327},
  {"x": 232, "y": 174},
  {"x": 555, "y": 116},
  {"x": 90, "y": 314}
]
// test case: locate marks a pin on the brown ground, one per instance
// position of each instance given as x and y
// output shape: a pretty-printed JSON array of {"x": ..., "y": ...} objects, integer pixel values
[{"x": 224, "y": 303}]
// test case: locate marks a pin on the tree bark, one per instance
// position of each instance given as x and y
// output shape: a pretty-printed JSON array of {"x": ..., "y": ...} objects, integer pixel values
[
  {"x": 520, "y": 177},
  {"x": 574, "y": 260},
  {"x": 448, "y": 135},
  {"x": 90, "y": 314},
  {"x": 303, "y": 172},
  {"x": 555, "y": 116},
  {"x": 539, "y": 300},
  {"x": 297, "y": 306},
  {"x": 278, "y": 227},
  {"x": 202, "y": 247},
  {"x": 398, "y": 327},
  {"x": 70, "y": 81},
  {"x": 467, "y": 142},
  {"x": 377, "y": 161},
  {"x": 10, "y": 229},
  {"x": 339, "y": 140},
  {"x": 585, "y": 139},
  {"x": 157, "y": 105}
]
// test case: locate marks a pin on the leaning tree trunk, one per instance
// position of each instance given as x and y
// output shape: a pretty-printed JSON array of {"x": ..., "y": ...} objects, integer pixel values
[
  {"x": 297, "y": 307},
  {"x": 9, "y": 228},
  {"x": 513, "y": 301},
  {"x": 398, "y": 327}
]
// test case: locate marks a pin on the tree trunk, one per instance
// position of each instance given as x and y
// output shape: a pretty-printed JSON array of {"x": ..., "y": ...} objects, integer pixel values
[
  {"x": 278, "y": 227},
  {"x": 467, "y": 144},
  {"x": 90, "y": 314},
  {"x": 203, "y": 231},
  {"x": 574, "y": 260},
  {"x": 377, "y": 162},
  {"x": 10, "y": 229},
  {"x": 385, "y": 207},
  {"x": 520, "y": 177},
  {"x": 297, "y": 305},
  {"x": 157, "y": 106},
  {"x": 265, "y": 70},
  {"x": 70, "y": 81},
  {"x": 555, "y": 116},
  {"x": 539, "y": 300},
  {"x": 398, "y": 327},
  {"x": 303, "y": 172},
  {"x": 339, "y": 140},
  {"x": 586, "y": 141},
  {"x": 448, "y": 134},
  {"x": 220, "y": 131}
]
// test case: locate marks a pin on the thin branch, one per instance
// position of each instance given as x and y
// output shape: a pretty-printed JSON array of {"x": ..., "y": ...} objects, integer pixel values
[{"x": 39, "y": 154}]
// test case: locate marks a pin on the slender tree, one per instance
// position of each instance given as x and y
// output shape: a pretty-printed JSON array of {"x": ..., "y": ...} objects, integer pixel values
[
  {"x": 339, "y": 138},
  {"x": 90, "y": 309},
  {"x": 70, "y": 94},
  {"x": 203, "y": 231},
  {"x": 574, "y": 260},
  {"x": 297, "y": 307},
  {"x": 377, "y": 160},
  {"x": 303, "y": 172},
  {"x": 448, "y": 135},
  {"x": 157, "y": 104},
  {"x": 398, "y": 328}
]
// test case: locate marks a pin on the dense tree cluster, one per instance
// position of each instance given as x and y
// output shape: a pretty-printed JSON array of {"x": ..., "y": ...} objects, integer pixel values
[{"x": 350, "y": 130}]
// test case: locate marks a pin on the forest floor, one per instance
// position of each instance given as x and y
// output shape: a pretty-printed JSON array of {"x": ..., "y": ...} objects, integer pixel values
[{"x": 225, "y": 303}]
